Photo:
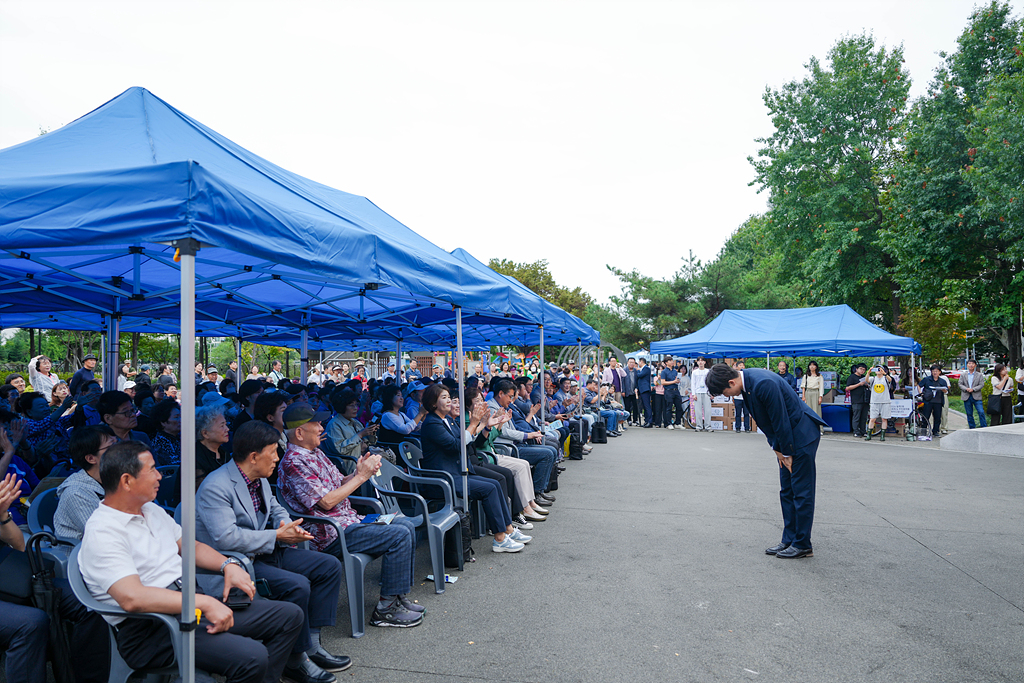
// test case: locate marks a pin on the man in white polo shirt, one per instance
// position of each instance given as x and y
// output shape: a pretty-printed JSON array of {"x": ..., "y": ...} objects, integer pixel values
[{"x": 131, "y": 557}]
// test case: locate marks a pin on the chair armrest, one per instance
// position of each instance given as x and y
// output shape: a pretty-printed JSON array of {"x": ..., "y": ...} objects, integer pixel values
[
  {"x": 436, "y": 478},
  {"x": 415, "y": 497},
  {"x": 368, "y": 502},
  {"x": 421, "y": 473}
]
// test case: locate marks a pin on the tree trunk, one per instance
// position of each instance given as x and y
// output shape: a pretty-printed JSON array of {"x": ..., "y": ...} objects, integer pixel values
[
  {"x": 135, "y": 349},
  {"x": 32, "y": 343}
]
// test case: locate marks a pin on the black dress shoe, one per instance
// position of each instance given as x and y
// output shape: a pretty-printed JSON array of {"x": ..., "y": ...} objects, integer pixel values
[
  {"x": 328, "y": 662},
  {"x": 308, "y": 672},
  {"x": 546, "y": 497},
  {"x": 776, "y": 549},
  {"x": 793, "y": 553},
  {"x": 648, "y": 426}
]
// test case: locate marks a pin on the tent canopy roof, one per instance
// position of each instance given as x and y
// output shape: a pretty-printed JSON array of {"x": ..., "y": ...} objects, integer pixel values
[
  {"x": 87, "y": 213},
  {"x": 823, "y": 331}
]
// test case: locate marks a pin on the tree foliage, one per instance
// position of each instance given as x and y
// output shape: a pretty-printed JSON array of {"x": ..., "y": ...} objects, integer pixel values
[
  {"x": 538, "y": 278},
  {"x": 826, "y": 167}
]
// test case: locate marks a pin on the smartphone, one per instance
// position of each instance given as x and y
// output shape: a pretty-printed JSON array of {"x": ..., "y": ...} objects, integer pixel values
[{"x": 262, "y": 588}]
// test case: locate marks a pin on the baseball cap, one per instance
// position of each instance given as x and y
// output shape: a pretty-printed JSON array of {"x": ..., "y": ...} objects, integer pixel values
[
  {"x": 129, "y": 384},
  {"x": 212, "y": 398},
  {"x": 295, "y": 389},
  {"x": 212, "y": 368},
  {"x": 89, "y": 356},
  {"x": 298, "y": 414}
]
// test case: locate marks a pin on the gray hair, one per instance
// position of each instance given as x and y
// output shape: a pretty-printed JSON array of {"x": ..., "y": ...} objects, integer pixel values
[{"x": 205, "y": 417}]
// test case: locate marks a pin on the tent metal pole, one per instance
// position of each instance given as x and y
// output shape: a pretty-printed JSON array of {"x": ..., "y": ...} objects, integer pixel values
[
  {"x": 462, "y": 408},
  {"x": 187, "y": 250},
  {"x": 399, "y": 366},
  {"x": 581, "y": 391},
  {"x": 238, "y": 363},
  {"x": 543, "y": 375},
  {"x": 304, "y": 358},
  {"x": 768, "y": 362}
]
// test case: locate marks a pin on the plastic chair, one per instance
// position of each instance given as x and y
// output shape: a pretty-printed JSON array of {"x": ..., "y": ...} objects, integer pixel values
[
  {"x": 411, "y": 457},
  {"x": 168, "y": 495},
  {"x": 355, "y": 563},
  {"x": 436, "y": 523},
  {"x": 119, "y": 669}
]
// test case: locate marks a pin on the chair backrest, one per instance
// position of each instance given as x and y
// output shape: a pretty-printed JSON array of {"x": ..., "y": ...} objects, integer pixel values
[
  {"x": 168, "y": 495},
  {"x": 411, "y": 454},
  {"x": 385, "y": 480},
  {"x": 40, "y": 513},
  {"x": 81, "y": 591}
]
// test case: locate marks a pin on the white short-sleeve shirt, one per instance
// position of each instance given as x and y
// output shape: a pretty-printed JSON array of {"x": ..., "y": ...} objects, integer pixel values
[{"x": 117, "y": 544}]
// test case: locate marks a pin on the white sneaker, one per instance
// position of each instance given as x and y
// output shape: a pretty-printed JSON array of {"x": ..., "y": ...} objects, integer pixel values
[
  {"x": 519, "y": 537},
  {"x": 671, "y": 427},
  {"x": 506, "y": 546}
]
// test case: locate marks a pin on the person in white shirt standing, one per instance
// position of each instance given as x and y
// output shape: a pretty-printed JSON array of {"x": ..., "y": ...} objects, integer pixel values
[{"x": 700, "y": 397}]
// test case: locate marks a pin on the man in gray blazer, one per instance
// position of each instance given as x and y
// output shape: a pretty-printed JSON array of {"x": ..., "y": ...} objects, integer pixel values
[
  {"x": 971, "y": 382},
  {"x": 236, "y": 510}
]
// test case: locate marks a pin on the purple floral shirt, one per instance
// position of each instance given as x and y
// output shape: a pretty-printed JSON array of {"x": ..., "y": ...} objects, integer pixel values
[{"x": 304, "y": 478}]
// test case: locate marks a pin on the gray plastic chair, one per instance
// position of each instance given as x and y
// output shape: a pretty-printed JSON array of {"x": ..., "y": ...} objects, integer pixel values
[
  {"x": 119, "y": 669},
  {"x": 354, "y": 563},
  {"x": 412, "y": 456},
  {"x": 436, "y": 523}
]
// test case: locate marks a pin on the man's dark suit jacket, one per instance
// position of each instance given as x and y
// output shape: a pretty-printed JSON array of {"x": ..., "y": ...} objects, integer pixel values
[
  {"x": 643, "y": 379},
  {"x": 788, "y": 422}
]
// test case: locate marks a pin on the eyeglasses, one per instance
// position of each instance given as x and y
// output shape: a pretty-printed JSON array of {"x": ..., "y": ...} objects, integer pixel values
[{"x": 125, "y": 413}]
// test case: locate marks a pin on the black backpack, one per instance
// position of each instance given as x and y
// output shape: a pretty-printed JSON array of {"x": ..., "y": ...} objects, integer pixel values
[
  {"x": 599, "y": 432},
  {"x": 575, "y": 447},
  {"x": 451, "y": 549}
]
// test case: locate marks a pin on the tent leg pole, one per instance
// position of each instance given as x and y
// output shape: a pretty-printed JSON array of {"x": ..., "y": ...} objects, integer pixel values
[
  {"x": 581, "y": 390},
  {"x": 399, "y": 366},
  {"x": 304, "y": 358},
  {"x": 188, "y": 250},
  {"x": 462, "y": 408},
  {"x": 541, "y": 379},
  {"x": 238, "y": 363}
]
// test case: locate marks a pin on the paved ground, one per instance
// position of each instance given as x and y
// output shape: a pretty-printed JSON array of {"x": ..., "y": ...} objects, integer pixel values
[{"x": 652, "y": 569}]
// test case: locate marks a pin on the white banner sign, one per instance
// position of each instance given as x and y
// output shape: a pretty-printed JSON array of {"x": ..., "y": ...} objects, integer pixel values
[{"x": 902, "y": 407}]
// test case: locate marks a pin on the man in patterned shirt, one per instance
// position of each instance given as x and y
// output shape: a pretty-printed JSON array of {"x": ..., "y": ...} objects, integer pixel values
[{"x": 313, "y": 486}]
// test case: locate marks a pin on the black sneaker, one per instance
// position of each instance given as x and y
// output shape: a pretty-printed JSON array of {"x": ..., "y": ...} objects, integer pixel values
[{"x": 395, "y": 615}]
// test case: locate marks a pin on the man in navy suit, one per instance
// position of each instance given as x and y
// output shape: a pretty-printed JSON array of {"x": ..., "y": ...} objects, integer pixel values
[
  {"x": 643, "y": 385},
  {"x": 793, "y": 432}
]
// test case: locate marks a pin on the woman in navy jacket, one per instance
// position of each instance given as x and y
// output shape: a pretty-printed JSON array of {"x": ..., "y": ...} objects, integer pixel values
[{"x": 442, "y": 451}]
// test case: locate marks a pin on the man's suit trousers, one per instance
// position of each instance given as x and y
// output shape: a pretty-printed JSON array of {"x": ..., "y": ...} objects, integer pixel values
[
  {"x": 305, "y": 578},
  {"x": 645, "y": 403},
  {"x": 796, "y": 494}
]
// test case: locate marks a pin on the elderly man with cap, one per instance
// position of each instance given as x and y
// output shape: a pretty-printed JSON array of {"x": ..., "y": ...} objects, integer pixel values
[
  {"x": 236, "y": 510},
  {"x": 213, "y": 376},
  {"x": 313, "y": 486},
  {"x": 413, "y": 397},
  {"x": 85, "y": 374}
]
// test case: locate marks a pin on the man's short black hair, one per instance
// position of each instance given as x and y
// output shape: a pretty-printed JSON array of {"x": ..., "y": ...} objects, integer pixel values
[
  {"x": 121, "y": 458},
  {"x": 110, "y": 401},
  {"x": 718, "y": 378},
  {"x": 85, "y": 441},
  {"x": 504, "y": 386},
  {"x": 253, "y": 437},
  {"x": 522, "y": 381}
]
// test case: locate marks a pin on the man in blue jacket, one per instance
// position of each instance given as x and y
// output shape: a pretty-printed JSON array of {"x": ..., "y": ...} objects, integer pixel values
[
  {"x": 643, "y": 386},
  {"x": 792, "y": 431}
]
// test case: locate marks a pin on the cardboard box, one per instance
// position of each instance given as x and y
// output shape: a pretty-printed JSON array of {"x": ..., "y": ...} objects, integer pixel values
[
  {"x": 719, "y": 425},
  {"x": 718, "y": 411},
  {"x": 721, "y": 400}
]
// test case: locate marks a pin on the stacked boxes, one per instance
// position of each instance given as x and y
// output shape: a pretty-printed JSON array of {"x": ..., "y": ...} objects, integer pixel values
[{"x": 723, "y": 414}]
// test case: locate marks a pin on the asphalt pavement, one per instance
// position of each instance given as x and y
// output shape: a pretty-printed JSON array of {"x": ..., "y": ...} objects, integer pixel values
[{"x": 652, "y": 568}]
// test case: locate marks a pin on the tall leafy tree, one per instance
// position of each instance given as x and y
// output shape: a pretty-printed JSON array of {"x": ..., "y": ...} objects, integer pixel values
[
  {"x": 538, "y": 278},
  {"x": 827, "y": 166},
  {"x": 953, "y": 220}
]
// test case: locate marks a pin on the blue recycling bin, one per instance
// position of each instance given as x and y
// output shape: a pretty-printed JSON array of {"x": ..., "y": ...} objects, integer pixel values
[{"x": 838, "y": 417}]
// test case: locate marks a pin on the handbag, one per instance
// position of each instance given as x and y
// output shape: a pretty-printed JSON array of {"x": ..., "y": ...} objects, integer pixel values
[{"x": 995, "y": 405}]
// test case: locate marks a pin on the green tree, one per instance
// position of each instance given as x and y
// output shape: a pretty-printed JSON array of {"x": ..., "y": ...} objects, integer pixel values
[
  {"x": 538, "y": 278},
  {"x": 953, "y": 220},
  {"x": 826, "y": 167}
]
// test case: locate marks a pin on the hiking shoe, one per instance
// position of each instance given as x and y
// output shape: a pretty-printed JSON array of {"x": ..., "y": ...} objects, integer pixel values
[
  {"x": 520, "y": 522},
  {"x": 506, "y": 546},
  {"x": 519, "y": 537},
  {"x": 410, "y": 605},
  {"x": 395, "y": 615}
]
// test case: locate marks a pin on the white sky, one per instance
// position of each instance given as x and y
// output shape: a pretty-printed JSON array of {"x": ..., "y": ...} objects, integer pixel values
[{"x": 586, "y": 133}]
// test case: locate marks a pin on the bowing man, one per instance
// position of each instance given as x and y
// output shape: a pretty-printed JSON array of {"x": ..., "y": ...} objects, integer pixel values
[{"x": 792, "y": 431}]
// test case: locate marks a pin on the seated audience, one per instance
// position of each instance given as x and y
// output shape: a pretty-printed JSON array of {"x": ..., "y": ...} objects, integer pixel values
[
  {"x": 44, "y": 431},
  {"x": 442, "y": 450},
  {"x": 167, "y": 441},
  {"x": 540, "y": 457},
  {"x": 345, "y": 434},
  {"x": 79, "y": 494},
  {"x": 131, "y": 556},
  {"x": 118, "y": 412},
  {"x": 394, "y": 424},
  {"x": 212, "y": 433},
  {"x": 233, "y": 507},
  {"x": 313, "y": 486}
]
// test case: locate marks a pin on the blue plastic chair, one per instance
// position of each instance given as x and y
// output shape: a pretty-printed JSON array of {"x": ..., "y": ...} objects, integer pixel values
[
  {"x": 435, "y": 523},
  {"x": 355, "y": 563},
  {"x": 40, "y": 516},
  {"x": 169, "y": 495}
]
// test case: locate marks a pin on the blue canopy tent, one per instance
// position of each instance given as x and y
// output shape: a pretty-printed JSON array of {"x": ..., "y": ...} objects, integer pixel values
[
  {"x": 136, "y": 211},
  {"x": 823, "y": 331}
]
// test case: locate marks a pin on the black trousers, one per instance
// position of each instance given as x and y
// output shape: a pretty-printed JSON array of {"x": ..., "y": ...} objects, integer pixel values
[
  {"x": 860, "y": 417},
  {"x": 632, "y": 406},
  {"x": 659, "y": 409},
  {"x": 305, "y": 578},
  {"x": 24, "y": 635},
  {"x": 254, "y": 650},
  {"x": 673, "y": 400},
  {"x": 505, "y": 479},
  {"x": 934, "y": 411},
  {"x": 645, "y": 402}
]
